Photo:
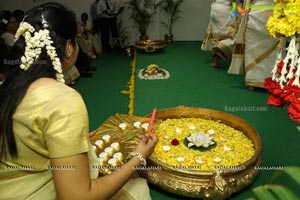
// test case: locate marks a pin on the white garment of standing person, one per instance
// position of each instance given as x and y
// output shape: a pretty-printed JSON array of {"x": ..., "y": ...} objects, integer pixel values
[{"x": 260, "y": 47}]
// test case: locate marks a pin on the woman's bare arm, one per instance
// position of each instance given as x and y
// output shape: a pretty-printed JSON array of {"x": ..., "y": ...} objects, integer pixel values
[{"x": 76, "y": 183}]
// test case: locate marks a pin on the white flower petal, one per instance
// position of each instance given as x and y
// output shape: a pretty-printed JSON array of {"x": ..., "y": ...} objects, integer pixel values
[
  {"x": 23, "y": 59},
  {"x": 190, "y": 144},
  {"x": 180, "y": 159},
  {"x": 200, "y": 161},
  {"x": 178, "y": 130},
  {"x": 226, "y": 148},
  {"x": 166, "y": 148},
  {"x": 192, "y": 127}
]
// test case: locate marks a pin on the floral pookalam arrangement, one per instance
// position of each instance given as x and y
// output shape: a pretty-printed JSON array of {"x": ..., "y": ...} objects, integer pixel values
[
  {"x": 284, "y": 85},
  {"x": 195, "y": 143}
]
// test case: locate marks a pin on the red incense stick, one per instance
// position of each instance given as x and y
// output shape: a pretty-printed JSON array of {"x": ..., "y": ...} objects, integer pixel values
[{"x": 151, "y": 122}]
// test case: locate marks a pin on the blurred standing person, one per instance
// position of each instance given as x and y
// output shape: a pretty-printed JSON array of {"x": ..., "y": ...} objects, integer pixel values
[
  {"x": 257, "y": 53},
  {"x": 95, "y": 33},
  {"x": 221, "y": 30},
  {"x": 95, "y": 17},
  {"x": 108, "y": 11},
  {"x": 238, "y": 52},
  {"x": 260, "y": 48}
]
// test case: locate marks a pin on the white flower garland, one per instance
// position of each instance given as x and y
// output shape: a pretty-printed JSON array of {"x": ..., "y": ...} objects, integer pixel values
[
  {"x": 291, "y": 64},
  {"x": 34, "y": 45}
]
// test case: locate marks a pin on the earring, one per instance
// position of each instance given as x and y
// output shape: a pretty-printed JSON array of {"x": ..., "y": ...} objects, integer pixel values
[{"x": 68, "y": 55}]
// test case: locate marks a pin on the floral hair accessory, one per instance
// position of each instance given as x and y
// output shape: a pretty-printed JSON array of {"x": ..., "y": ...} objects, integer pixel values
[{"x": 35, "y": 41}]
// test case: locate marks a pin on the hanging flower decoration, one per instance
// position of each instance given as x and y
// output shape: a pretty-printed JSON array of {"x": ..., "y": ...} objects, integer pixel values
[{"x": 284, "y": 85}]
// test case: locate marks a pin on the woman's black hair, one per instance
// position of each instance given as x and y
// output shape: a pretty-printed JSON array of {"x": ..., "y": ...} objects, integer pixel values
[
  {"x": 19, "y": 15},
  {"x": 62, "y": 27}
]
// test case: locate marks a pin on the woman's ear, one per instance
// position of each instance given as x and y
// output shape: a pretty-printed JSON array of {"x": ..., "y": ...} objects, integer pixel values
[
  {"x": 69, "y": 49},
  {"x": 70, "y": 57}
]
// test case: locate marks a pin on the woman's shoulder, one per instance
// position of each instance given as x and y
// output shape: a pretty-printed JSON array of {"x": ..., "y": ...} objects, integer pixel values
[
  {"x": 50, "y": 84},
  {"x": 47, "y": 98},
  {"x": 47, "y": 89}
]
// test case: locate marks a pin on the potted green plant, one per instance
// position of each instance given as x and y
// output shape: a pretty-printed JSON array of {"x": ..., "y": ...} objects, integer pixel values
[
  {"x": 141, "y": 13},
  {"x": 172, "y": 11}
]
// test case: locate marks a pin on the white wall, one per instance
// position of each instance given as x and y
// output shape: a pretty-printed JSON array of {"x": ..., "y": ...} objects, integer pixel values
[{"x": 190, "y": 27}]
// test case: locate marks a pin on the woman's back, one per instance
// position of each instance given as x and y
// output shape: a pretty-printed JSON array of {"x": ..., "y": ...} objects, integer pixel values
[{"x": 39, "y": 123}]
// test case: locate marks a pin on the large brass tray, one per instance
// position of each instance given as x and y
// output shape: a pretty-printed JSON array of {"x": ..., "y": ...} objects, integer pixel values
[
  {"x": 127, "y": 138},
  {"x": 150, "y": 45},
  {"x": 217, "y": 184}
]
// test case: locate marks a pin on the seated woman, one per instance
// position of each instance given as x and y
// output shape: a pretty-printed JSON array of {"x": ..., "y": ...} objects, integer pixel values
[
  {"x": 44, "y": 143},
  {"x": 10, "y": 29},
  {"x": 221, "y": 30},
  {"x": 85, "y": 37}
]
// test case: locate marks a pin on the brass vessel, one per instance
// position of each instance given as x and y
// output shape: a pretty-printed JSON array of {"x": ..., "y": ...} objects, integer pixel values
[
  {"x": 214, "y": 184},
  {"x": 150, "y": 45}
]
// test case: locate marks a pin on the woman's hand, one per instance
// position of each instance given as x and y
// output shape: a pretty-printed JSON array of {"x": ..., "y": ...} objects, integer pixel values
[
  {"x": 146, "y": 144},
  {"x": 92, "y": 133}
]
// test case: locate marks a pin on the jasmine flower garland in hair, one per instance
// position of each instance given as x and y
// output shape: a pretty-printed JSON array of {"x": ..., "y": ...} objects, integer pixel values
[
  {"x": 34, "y": 45},
  {"x": 25, "y": 30}
]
